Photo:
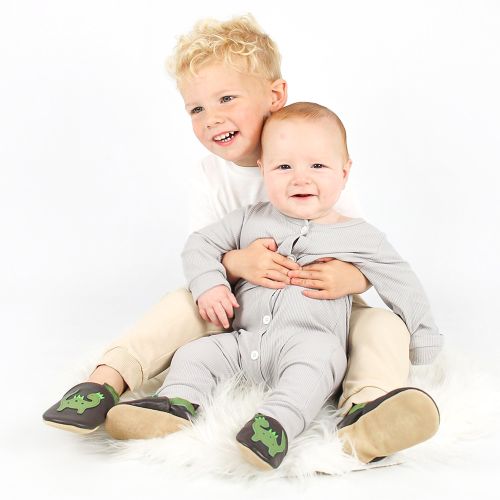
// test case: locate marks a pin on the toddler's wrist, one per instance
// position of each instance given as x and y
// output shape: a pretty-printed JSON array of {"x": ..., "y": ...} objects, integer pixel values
[{"x": 229, "y": 261}]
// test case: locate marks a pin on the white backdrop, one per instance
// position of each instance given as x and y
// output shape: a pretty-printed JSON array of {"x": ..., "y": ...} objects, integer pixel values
[{"x": 96, "y": 150}]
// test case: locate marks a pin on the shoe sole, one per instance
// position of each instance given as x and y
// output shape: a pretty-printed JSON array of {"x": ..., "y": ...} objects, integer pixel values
[
  {"x": 70, "y": 428},
  {"x": 417, "y": 419},
  {"x": 254, "y": 459},
  {"x": 131, "y": 422}
]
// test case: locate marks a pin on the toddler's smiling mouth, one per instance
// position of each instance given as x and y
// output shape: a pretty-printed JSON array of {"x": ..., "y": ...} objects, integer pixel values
[{"x": 225, "y": 137}]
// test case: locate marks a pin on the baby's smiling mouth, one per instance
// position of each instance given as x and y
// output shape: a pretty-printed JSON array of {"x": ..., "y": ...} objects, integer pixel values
[{"x": 226, "y": 136}]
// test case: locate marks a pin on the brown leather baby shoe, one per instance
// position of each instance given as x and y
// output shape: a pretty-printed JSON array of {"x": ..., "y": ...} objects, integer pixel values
[
  {"x": 149, "y": 417},
  {"x": 263, "y": 442}
]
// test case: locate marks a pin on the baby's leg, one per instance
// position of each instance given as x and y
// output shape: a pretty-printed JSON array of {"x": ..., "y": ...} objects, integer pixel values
[
  {"x": 310, "y": 368},
  {"x": 194, "y": 372},
  {"x": 199, "y": 366}
]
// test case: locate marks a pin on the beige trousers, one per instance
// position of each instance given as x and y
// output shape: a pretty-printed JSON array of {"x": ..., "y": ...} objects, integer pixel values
[{"x": 378, "y": 347}]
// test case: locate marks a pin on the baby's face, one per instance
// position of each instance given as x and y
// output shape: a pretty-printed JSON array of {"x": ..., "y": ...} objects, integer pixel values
[
  {"x": 305, "y": 166},
  {"x": 228, "y": 109}
]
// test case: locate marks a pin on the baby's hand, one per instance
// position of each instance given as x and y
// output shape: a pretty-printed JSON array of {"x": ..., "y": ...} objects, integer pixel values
[{"x": 216, "y": 305}]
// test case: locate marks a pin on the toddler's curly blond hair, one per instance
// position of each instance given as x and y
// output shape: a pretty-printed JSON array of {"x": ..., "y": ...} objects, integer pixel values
[{"x": 239, "y": 42}]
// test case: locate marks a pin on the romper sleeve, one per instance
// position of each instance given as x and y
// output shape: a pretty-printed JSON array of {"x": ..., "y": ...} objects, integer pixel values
[
  {"x": 204, "y": 249},
  {"x": 401, "y": 290}
]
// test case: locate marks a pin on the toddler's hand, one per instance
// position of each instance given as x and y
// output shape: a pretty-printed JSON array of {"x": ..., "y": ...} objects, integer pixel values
[
  {"x": 260, "y": 264},
  {"x": 216, "y": 305},
  {"x": 330, "y": 279}
]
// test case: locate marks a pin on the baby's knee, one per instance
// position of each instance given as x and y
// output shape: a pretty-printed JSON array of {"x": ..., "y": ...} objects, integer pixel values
[
  {"x": 325, "y": 350},
  {"x": 192, "y": 350}
]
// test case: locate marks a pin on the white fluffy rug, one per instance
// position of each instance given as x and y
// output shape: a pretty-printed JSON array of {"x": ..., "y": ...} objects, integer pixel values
[{"x": 467, "y": 394}]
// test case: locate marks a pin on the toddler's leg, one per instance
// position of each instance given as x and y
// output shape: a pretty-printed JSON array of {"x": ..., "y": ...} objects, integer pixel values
[
  {"x": 309, "y": 370},
  {"x": 144, "y": 352},
  {"x": 378, "y": 355},
  {"x": 383, "y": 416},
  {"x": 195, "y": 370},
  {"x": 147, "y": 349}
]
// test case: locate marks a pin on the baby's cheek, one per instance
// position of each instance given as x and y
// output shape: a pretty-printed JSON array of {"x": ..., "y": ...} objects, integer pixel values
[{"x": 275, "y": 194}]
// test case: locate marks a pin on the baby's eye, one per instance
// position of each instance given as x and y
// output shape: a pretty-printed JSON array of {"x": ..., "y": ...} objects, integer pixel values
[
  {"x": 196, "y": 110},
  {"x": 226, "y": 98},
  {"x": 317, "y": 165},
  {"x": 283, "y": 167}
]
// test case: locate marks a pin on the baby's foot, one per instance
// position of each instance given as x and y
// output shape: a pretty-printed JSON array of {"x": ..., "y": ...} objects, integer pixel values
[
  {"x": 149, "y": 417},
  {"x": 263, "y": 442}
]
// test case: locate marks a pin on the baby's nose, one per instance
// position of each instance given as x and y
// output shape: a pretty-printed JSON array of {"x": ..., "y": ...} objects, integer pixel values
[{"x": 300, "y": 179}]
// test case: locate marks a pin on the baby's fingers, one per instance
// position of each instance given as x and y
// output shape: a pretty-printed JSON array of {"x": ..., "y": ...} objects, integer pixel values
[
  {"x": 233, "y": 300},
  {"x": 212, "y": 316},
  {"x": 228, "y": 307},
  {"x": 203, "y": 314},
  {"x": 221, "y": 314}
]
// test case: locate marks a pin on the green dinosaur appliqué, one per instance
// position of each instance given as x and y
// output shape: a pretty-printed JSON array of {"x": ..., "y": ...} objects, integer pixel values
[
  {"x": 264, "y": 434},
  {"x": 79, "y": 403}
]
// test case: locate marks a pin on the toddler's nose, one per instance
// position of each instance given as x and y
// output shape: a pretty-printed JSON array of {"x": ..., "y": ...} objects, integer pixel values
[{"x": 213, "y": 120}]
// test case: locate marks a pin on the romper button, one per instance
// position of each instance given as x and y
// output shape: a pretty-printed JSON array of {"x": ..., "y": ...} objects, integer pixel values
[
  {"x": 266, "y": 319},
  {"x": 291, "y": 257},
  {"x": 304, "y": 229},
  {"x": 254, "y": 355}
]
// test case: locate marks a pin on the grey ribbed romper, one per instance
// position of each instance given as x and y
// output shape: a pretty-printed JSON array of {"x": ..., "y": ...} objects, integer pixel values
[{"x": 293, "y": 344}]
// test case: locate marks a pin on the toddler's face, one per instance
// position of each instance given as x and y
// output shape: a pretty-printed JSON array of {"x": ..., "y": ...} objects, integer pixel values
[
  {"x": 227, "y": 109},
  {"x": 305, "y": 167}
]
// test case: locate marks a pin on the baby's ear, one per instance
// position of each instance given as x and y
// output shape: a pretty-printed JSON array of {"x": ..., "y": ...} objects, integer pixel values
[
  {"x": 347, "y": 169},
  {"x": 259, "y": 164}
]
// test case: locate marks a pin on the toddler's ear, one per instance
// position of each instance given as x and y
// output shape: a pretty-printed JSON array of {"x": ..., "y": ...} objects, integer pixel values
[
  {"x": 261, "y": 167},
  {"x": 279, "y": 89}
]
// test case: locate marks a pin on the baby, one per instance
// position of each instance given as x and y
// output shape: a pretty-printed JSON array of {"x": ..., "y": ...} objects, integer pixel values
[{"x": 294, "y": 344}]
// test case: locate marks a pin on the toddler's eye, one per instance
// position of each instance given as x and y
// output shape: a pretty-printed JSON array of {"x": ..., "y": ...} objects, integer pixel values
[
  {"x": 226, "y": 98},
  {"x": 317, "y": 165},
  {"x": 196, "y": 110},
  {"x": 284, "y": 167}
]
